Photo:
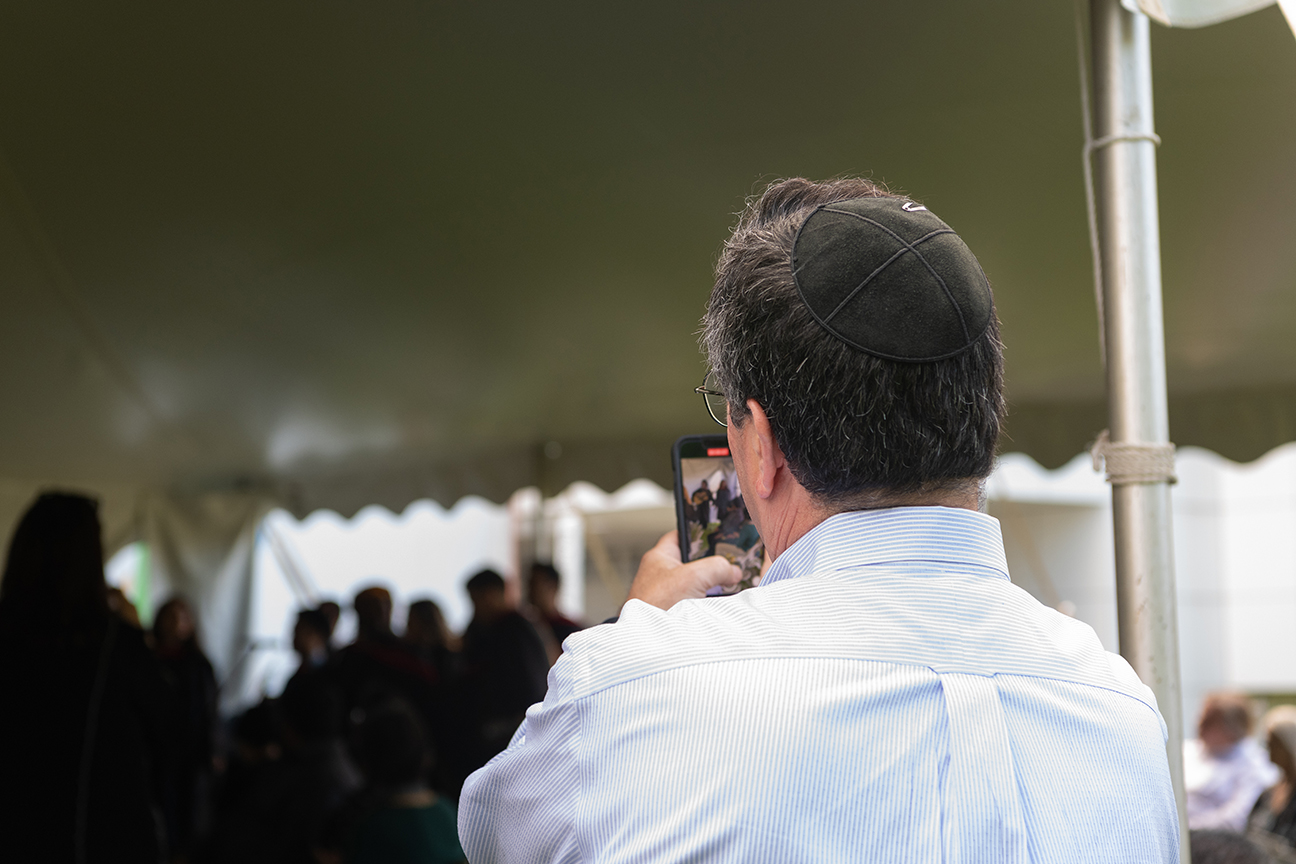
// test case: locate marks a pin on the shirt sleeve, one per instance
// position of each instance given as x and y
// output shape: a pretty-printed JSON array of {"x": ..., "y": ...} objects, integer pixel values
[{"x": 521, "y": 806}]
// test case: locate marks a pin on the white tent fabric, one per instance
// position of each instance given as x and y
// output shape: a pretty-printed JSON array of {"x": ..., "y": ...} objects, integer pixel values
[
  {"x": 201, "y": 548},
  {"x": 1203, "y": 13}
]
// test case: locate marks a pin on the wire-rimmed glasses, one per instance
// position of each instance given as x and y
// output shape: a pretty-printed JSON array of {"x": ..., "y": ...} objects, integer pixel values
[{"x": 716, "y": 404}]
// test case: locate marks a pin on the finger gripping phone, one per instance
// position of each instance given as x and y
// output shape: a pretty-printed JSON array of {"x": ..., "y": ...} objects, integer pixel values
[{"x": 710, "y": 512}]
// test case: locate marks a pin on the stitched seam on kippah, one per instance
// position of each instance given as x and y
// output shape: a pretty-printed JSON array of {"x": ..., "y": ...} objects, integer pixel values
[
  {"x": 949, "y": 295},
  {"x": 851, "y": 342},
  {"x": 860, "y": 287}
]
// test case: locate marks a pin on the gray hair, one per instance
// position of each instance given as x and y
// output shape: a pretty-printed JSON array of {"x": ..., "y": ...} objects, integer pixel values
[{"x": 854, "y": 428}]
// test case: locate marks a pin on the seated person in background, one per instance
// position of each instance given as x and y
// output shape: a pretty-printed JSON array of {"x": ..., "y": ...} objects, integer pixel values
[
  {"x": 542, "y": 592},
  {"x": 402, "y": 821},
  {"x": 731, "y": 521},
  {"x": 1273, "y": 821},
  {"x": 283, "y": 813},
  {"x": 1224, "y": 770},
  {"x": 1225, "y": 847},
  {"x": 252, "y": 785},
  {"x": 505, "y": 664},
  {"x": 320, "y": 775},
  {"x": 254, "y": 748}
]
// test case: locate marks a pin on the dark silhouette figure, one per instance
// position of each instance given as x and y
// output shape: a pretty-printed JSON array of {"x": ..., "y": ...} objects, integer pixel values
[
  {"x": 505, "y": 664},
  {"x": 397, "y": 819},
  {"x": 722, "y": 498},
  {"x": 731, "y": 520},
  {"x": 428, "y": 636},
  {"x": 542, "y": 592},
  {"x": 284, "y": 803},
  {"x": 119, "y": 605},
  {"x": 255, "y": 750},
  {"x": 311, "y": 642},
  {"x": 379, "y": 667},
  {"x": 83, "y": 725},
  {"x": 702, "y": 500},
  {"x": 193, "y": 722},
  {"x": 331, "y": 612}
]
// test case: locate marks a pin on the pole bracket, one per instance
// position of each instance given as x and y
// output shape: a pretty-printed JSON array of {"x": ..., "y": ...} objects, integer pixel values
[{"x": 1129, "y": 464}]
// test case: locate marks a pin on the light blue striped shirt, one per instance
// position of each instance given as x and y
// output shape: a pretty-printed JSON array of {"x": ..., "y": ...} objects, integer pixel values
[{"x": 886, "y": 695}]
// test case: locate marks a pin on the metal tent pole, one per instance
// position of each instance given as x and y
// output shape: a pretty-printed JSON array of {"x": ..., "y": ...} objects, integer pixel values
[{"x": 1124, "y": 153}]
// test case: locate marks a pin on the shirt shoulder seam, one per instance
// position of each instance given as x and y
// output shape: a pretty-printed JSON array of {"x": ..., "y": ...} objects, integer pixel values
[{"x": 574, "y": 699}]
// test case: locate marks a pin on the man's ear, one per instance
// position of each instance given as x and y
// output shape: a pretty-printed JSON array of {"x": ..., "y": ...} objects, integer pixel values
[{"x": 765, "y": 455}]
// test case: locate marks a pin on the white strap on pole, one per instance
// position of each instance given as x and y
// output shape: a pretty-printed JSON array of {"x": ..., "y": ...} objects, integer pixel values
[{"x": 1128, "y": 464}]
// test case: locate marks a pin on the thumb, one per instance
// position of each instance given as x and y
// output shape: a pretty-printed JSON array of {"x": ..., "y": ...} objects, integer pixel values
[{"x": 713, "y": 571}]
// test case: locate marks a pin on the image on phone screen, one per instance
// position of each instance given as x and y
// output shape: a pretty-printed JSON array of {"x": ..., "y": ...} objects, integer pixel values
[{"x": 715, "y": 518}]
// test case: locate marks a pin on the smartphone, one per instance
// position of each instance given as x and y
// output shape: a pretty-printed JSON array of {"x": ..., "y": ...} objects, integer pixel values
[{"x": 709, "y": 509}]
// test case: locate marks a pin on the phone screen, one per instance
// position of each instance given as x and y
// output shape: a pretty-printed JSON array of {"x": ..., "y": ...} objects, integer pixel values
[{"x": 710, "y": 510}]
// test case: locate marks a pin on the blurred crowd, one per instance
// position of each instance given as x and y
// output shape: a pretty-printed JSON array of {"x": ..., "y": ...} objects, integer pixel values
[
  {"x": 112, "y": 746},
  {"x": 118, "y": 752}
]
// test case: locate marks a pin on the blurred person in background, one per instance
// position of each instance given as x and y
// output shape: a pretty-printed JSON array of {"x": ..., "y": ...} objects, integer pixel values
[
  {"x": 83, "y": 730},
  {"x": 120, "y": 606},
  {"x": 428, "y": 636},
  {"x": 397, "y": 818},
  {"x": 450, "y": 725},
  {"x": 378, "y": 665},
  {"x": 320, "y": 774},
  {"x": 542, "y": 592},
  {"x": 1211, "y": 846},
  {"x": 279, "y": 814},
  {"x": 247, "y": 789},
  {"x": 331, "y": 611},
  {"x": 1224, "y": 770},
  {"x": 194, "y": 725},
  {"x": 1273, "y": 821},
  {"x": 310, "y": 640},
  {"x": 722, "y": 498},
  {"x": 255, "y": 745},
  {"x": 702, "y": 503},
  {"x": 505, "y": 664}
]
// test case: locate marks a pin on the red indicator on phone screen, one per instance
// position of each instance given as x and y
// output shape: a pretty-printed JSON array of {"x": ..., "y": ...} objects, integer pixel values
[{"x": 717, "y": 451}]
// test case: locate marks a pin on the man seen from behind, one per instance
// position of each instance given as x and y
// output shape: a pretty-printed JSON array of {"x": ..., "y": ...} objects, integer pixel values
[{"x": 886, "y": 693}]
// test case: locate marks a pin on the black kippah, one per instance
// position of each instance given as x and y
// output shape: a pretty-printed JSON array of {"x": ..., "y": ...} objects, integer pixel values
[{"x": 884, "y": 275}]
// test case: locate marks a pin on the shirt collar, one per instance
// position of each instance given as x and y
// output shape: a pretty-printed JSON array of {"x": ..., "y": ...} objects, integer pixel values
[{"x": 936, "y": 539}]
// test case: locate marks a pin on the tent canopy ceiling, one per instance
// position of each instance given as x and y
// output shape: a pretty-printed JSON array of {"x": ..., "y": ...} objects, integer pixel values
[{"x": 363, "y": 253}]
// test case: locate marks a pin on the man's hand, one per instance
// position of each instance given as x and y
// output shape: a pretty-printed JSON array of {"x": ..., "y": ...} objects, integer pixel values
[{"x": 664, "y": 579}]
